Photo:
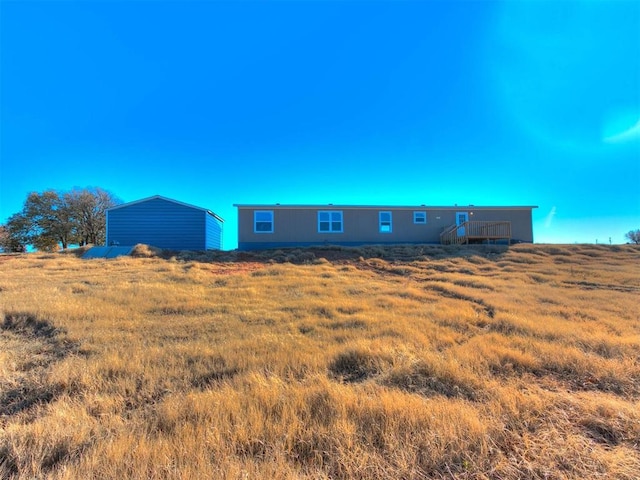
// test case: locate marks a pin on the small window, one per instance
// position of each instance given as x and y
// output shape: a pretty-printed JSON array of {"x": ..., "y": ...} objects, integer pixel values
[
  {"x": 385, "y": 222},
  {"x": 263, "y": 221},
  {"x": 420, "y": 218},
  {"x": 330, "y": 222}
]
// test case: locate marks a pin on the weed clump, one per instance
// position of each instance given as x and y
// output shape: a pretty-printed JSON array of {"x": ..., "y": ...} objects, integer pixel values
[
  {"x": 146, "y": 251},
  {"x": 29, "y": 325},
  {"x": 435, "y": 377},
  {"x": 356, "y": 365}
]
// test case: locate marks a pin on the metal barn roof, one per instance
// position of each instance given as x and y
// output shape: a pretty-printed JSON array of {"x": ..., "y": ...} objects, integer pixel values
[{"x": 160, "y": 197}]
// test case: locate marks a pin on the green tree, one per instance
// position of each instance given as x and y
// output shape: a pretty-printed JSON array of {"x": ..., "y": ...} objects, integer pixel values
[
  {"x": 50, "y": 220},
  {"x": 14, "y": 235},
  {"x": 633, "y": 236}
]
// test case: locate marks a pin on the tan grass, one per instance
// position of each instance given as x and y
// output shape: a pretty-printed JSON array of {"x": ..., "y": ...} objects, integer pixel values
[{"x": 402, "y": 362}]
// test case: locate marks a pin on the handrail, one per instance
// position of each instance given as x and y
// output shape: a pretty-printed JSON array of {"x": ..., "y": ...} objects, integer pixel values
[
  {"x": 450, "y": 235},
  {"x": 476, "y": 230},
  {"x": 449, "y": 229}
]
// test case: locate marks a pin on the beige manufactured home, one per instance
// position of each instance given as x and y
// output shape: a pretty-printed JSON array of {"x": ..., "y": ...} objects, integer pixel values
[{"x": 277, "y": 226}]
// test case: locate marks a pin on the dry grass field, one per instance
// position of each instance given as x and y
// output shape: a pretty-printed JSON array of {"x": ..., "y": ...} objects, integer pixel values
[{"x": 399, "y": 363}]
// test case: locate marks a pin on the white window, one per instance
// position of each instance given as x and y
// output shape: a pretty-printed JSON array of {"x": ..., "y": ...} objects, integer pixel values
[
  {"x": 330, "y": 222},
  {"x": 420, "y": 218},
  {"x": 385, "y": 222},
  {"x": 263, "y": 221}
]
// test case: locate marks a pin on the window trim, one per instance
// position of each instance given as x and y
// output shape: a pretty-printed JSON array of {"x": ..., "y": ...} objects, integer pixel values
[
  {"x": 331, "y": 230},
  {"x": 255, "y": 221},
  {"x": 380, "y": 221},
  {"x": 420, "y": 212}
]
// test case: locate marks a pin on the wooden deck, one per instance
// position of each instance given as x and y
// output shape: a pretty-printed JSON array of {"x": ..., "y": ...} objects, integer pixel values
[{"x": 476, "y": 232}]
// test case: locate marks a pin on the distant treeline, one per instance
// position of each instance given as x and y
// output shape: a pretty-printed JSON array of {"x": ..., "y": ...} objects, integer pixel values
[{"x": 56, "y": 219}]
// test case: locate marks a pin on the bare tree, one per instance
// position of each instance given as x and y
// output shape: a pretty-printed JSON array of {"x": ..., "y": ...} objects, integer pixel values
[
  {"x": 88, "y": 209},
  {"x": 633, "y": 236}
]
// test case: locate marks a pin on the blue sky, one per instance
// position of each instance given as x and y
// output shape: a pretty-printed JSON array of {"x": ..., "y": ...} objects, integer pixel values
[{"x": 385, "y": 102}]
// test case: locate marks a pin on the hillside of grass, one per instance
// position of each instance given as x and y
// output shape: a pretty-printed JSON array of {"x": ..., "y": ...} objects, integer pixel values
[{"x": 401, "y": 363}]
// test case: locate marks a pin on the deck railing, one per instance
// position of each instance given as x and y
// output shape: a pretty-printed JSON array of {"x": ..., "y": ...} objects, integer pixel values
[{"x": 475, "y": 230}]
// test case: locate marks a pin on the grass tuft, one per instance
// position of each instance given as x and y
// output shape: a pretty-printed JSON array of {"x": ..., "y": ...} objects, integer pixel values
[
  {"x": 146, "y": 251},
  {"x": 357, "y": 364}
]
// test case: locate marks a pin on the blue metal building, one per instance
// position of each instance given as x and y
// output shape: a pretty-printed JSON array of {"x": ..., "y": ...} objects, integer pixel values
[{"x": 164, "y": 223}]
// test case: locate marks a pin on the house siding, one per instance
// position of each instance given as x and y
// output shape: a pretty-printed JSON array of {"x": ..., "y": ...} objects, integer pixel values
[
  {"x": 213, "y": 232},
  {"x": 297, "y": 226},
  {"x": 162, "y": 223}
]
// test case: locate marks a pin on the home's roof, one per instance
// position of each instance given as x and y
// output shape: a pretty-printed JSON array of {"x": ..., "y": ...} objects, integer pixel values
[
  {"x": 160, "y": 197},
  {"x": 388, "y": 207}
]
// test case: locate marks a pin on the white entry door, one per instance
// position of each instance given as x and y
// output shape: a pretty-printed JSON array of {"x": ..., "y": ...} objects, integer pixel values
[{"x": 461, "y": 218}]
